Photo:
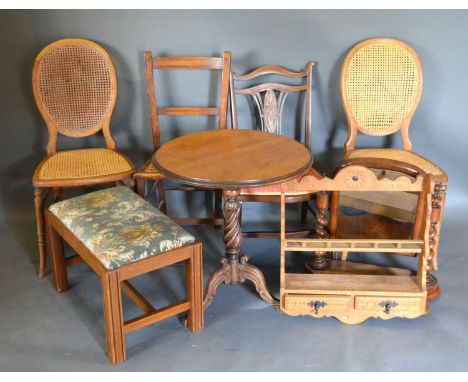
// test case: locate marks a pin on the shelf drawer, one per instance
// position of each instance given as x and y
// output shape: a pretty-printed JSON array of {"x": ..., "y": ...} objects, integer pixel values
[
  {"x": 389, "y": 304},
  {"x": 318, "y": 305}
]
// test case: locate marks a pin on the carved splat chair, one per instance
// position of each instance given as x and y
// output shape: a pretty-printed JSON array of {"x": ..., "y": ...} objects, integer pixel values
[
  {"x": 356, "y": 292},
  {"x": 381, "y": 84},
  {"x": 75, "y": 88},
  {"x": 148, "y": 172},
  {"x": 269, "y": 99}
]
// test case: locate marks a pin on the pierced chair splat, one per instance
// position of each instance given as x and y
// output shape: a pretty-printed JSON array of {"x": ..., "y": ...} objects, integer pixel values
[{"x": 269, "y": 100}]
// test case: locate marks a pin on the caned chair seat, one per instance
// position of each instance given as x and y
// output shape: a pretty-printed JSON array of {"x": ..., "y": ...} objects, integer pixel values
[
  {"x": 81, "y": 166},
  {"x": 119, "y": 227},
  {"x": 400, "y": 155},
  {"x": 148, "y": 172}
]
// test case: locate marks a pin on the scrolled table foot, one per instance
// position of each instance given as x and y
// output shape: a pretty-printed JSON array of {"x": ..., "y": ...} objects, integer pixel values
[{"x": 250, "y": 272}]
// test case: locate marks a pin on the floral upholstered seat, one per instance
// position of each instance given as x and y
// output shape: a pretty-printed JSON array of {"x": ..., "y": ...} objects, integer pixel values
[{"x": 119, "y": 227}]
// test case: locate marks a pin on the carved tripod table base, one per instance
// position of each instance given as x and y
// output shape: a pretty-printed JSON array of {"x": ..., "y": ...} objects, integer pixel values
[{"x": 235, "y": 269}]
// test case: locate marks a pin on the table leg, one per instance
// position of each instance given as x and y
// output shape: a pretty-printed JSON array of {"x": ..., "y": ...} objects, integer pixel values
[{"x": 235, "y": 269}]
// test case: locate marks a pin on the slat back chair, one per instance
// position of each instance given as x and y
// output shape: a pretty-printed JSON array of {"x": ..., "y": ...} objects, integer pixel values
[
  {"x": 269, "y": 99},
  {"x": 148, "y": 172},
  {"x": 381, "y": 86},
  {"x": 297, "y": 288},
  {"x": 75, "y": 88}
]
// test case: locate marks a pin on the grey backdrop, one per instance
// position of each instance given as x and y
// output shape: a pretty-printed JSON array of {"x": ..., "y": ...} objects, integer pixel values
[{"x": 287, "y": 38}]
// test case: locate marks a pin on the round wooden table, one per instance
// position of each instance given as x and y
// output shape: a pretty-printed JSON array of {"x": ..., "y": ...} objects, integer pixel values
[{"x": 230, "y": 160}]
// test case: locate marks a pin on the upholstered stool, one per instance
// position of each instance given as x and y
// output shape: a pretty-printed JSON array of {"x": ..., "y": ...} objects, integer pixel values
[{"x": 121, "y": 236}]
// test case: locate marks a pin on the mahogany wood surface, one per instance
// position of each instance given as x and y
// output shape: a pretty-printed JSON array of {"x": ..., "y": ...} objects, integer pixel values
[{"x": 232, "y": 159}]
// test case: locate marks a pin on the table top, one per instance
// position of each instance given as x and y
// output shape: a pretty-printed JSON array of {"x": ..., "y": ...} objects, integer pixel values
[{"x": 232, "y": 159}]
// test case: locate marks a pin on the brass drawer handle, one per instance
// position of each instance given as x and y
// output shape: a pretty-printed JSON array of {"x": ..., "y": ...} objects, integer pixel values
[
  {"x": 317, "y": 305},
  {"x": 388, "y": 305}
]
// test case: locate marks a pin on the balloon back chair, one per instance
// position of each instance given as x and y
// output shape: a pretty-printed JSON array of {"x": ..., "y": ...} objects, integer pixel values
[
  {"x": 75, "y": 88},
  {"x": 381, "y": 85}
]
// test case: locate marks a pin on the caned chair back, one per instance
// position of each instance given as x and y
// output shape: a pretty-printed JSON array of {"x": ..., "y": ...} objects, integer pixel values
[
  {"x": 75, "y": 88},
  {"x": 152, "y": 64},
  {"x": 269, "y": 97},
  {"x": 381, "y": 84}
]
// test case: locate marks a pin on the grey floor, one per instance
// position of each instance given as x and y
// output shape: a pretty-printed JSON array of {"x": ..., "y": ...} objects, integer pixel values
[{"x": 41, "y": 330}]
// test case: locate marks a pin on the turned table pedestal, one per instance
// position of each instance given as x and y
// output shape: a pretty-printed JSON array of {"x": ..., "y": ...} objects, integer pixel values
[{"x": 230, "y": 160}]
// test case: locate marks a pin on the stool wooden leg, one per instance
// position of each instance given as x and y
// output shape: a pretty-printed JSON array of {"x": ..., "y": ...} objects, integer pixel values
[
  {"x": 40, "y": 221},
  {"x": 195, "y": 319},
  {"x": 113, "y": 316},
  {"x": 57, "y": 255}
]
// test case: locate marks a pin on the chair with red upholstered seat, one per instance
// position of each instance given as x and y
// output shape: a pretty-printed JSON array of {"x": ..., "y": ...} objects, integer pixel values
[{"x": 269, "y": 99}]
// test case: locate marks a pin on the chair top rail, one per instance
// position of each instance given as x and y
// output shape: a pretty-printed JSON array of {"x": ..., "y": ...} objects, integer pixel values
[
  {"x": 271, "y": 69},
  {"x": 186, "y": 62},
  {"x": 271, "y": 86}
]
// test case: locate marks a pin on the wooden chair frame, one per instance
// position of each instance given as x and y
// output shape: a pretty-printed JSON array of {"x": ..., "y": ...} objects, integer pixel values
[
  {"x": 42, "y": 188},
  {"x": 270, "y": 108},
  {"x": 153, "y": 63},
  {"x": 331, "y": 289},
  {"x": 115, "y": 280}
]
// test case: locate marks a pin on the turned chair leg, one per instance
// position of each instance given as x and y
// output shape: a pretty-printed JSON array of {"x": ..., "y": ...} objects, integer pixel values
[
  {"x": 133, "y": 185},
  {"x": 194, "y": 285},
  {"x": 319, "y": 260},
  {"x": 40, "y": 221},
  {"x": 113, "y": 316},
  {"x": 58, "y": 262},
  {"x": 58, "y": 192},
  {"x": 140, "y": 187}
]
